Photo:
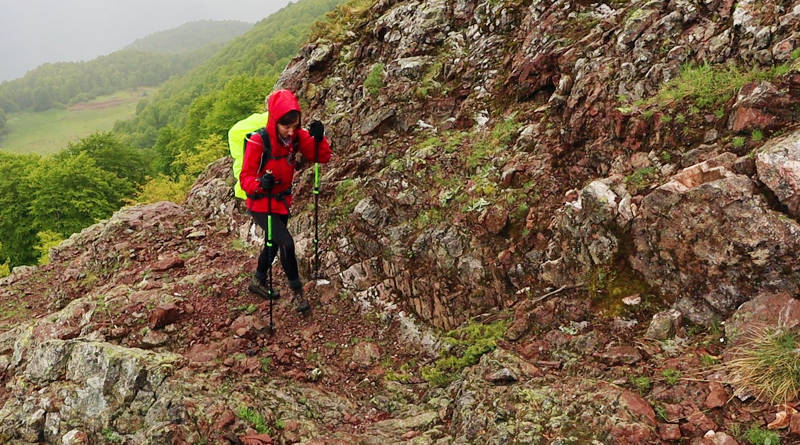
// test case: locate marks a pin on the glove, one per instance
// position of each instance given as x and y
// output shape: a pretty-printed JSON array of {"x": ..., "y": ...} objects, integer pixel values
[
  {"x": 316, "y": 130},
  {"x": 267, "y": 181}
]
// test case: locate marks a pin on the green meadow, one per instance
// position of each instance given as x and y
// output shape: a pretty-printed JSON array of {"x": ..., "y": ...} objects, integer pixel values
[{"x": 50, "y": 131}]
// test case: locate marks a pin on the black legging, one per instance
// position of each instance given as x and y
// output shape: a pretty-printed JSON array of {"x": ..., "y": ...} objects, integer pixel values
[{"x": 283, "y": 239}]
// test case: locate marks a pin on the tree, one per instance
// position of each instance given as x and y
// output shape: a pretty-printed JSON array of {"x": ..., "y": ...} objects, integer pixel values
[
  {"x": 110, "y": 154},
  {"x": 16, "y": 228},
  {"x": 72, "y": 193}
]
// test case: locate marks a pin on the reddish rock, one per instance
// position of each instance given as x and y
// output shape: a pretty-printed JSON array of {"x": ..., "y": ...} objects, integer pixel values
[
  {"x": 619, "y": 355},
  {"x": 203, "y": 353},
  {"x": 794, "y": 424},
  {"x": 249, "y": 326},
  {"x": 256, "y": 439},
  {"x": 225, "y": 419},
  {"x": 698, "y": 423},
  {"x": 163, "y": 315},
  {"x": 522, "y": 321},
  {"x": 495, "y": 219},
  {"x": 717, "y": 396},
  {"x": 167, "y": 263},
  {"x": 760, "y": 106},
  {"x": 778, "y": 165},
  {"x": 638, "y": 406},
  {"x": 669, "y": 431},
  {"x": 411, "y": 434}
]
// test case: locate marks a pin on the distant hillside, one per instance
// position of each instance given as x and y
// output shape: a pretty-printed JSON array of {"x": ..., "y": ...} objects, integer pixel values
[
  {"x": 54, "y": 85},
  {"x": 191, "y": 36}
]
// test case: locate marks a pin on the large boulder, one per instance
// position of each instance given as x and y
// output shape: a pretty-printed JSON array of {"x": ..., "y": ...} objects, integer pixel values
[
  {"x": 778, "y": 165},
  {"x": 710, "y": 237}
]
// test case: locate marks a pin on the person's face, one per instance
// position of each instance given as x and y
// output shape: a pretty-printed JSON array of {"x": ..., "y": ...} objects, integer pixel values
[{"x": 287, "y": 131}]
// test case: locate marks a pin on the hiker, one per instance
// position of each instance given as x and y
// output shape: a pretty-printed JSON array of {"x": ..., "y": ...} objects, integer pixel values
[{"x": 269, "y": 188}]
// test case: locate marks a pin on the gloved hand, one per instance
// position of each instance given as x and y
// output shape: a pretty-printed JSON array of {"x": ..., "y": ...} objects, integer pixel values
[
  {"x": 267, "y": 181},
  {"x": 316, "y": 130}
]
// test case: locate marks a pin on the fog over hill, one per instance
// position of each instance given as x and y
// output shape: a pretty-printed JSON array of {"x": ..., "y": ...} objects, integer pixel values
[{"x": 42, "y": 31}]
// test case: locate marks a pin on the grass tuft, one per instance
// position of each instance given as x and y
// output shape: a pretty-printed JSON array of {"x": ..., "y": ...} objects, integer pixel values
[{"x": 767, "y": 365}]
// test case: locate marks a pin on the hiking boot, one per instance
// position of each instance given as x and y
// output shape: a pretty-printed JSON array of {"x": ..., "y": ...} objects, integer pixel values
[
  {"x": 299, "y": 301},
  {"x": 258, "y": 287}
]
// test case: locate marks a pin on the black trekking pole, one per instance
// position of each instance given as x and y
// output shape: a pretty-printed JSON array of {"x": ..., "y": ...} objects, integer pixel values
[
  {"x": 316, "y": 209},
  {"x": 271, "y": 293}
]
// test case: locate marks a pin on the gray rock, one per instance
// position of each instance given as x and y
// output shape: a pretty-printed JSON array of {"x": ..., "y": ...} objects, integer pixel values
[
  {"x": 584, "y": 233},
  {"x": 48, "y": 361},
  {"x": 664, "y": 324},
  {"x": 370, "y": 211}
]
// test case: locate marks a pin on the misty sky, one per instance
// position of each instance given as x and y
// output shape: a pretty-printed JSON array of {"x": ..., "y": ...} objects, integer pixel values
[{"x": 33, "y": 32}]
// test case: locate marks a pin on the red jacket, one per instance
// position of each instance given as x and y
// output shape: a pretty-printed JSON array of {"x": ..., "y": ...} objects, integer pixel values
[{"x": 279, "y": 103}]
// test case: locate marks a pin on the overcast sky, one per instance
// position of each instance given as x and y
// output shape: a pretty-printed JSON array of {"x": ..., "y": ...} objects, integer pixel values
[{"x": 33, "y": 32}]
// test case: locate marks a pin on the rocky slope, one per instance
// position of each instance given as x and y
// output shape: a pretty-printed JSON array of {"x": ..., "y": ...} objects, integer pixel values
[{"x": 559, "y": 174}]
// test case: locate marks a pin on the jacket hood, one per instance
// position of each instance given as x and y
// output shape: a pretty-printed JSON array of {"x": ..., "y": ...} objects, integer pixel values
[{"x": 279, "y": 103}]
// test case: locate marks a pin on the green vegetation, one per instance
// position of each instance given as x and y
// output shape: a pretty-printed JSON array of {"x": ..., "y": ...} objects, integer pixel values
[
  {"x": 266, "y": 362},
  {"x": 255, "y": 419},
  {"x": 341, "y": 20},
  {"x": 485, "y": 148},
  {"x": 708, "y": 360},
  {"x": 467, "y": 344},
  {"x": 348, "y": 194},
  {"x": 757, "y": 135},
  {"x": 641, "y": 383},
  {"x": 710, "y": 86},
  {"x": 671, "y": 376},
  {"x": 739, "y": 141},
  {"x": 641, "y": 179},
  {"x": 374, "y": 81},
  {"x": 767, "y": 365},
  {"x": 758, "y": 436},
  {"x": 608, "y": 287},
  {"x": 111, "y": 436},
  {"x": 191, "y": 36},
  {"x": 47, "y": 240},
  {"x": 49, "y": 131}
]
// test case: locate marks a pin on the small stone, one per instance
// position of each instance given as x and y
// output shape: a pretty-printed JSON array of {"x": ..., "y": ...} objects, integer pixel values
[
  {"x": 366, "y": 353},
  {"x": 669, "y": 431},
  {"x": 618, "y": 355},
  {"x": 664, "y": 324},
  {"x": 632, "y": 300},
  {"x": 794, "y": 423},
  {"x": 167, "y": 263},
  {"x": 638, "y": 406},
  {"x": 314, "y": 375},
  {"x": 197, "y": 234},
  {"x": 717, "y": 396},
  {"x": 154, "y": 339},
  {"x": 502, "y": 377},
  {"x": 163, "y": 315},
  {"x": 75, "y": 437},
  {"x": 718, "y": 438}
]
